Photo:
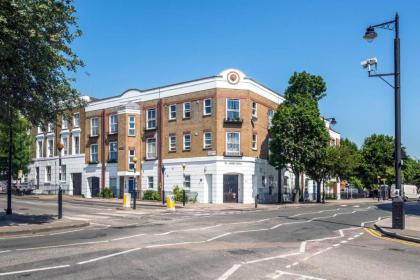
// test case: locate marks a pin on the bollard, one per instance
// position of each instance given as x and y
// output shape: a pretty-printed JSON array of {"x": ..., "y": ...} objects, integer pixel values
[
  {"x": 134, "y": 199},
  {"x": 183, "y": 197},
  {"x": 60, "y": 203},
  {"x": 398, "y": 213},
  {"x": 256, "y": 200}
]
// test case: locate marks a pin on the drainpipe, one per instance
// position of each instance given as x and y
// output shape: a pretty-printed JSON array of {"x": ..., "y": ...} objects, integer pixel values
[
  {"x": 159, "y": 141},
  {"x": 103, "y": 150}
]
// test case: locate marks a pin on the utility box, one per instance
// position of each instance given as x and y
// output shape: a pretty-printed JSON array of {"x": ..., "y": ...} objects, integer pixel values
[
  {"x": 127, "y": 200},
  {"x": 398, "y": 213}
]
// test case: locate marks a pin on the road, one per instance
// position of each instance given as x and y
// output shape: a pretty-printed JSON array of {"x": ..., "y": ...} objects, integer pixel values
[{"x": 316, "y": 242}]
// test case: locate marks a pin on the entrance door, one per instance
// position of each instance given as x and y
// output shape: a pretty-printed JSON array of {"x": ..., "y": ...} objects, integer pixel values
[
  {"x": 77, "y": 183},
  {"x": 209, "y": 188},
  {"x": 230, "y": 188},
  {"x": 130, "y": 185},
  {"x": 95, "y": 186},
  {"x": 37, "y": 177}
]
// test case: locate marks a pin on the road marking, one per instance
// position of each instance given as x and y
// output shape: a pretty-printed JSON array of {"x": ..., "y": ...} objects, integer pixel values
[
  {"x": 336, "y": 245},
  {"x": 190, "y": 229},
  {"x": 77, "y": 218},
  {"x": 127, "y": 237},
  {"x": 317, "y": 212},
  {"x": 272, "y": 258},
  {"x": 62, "y": 245},
  {"x": 173, "y": 244},
  {"x": 64, "y": 232},
  {"x": 302, "y": 247},
  {"x": 219, "y": 236},
  {"x": 21, "y": 236},
  {"x": 279, "y": 273},
  {"x": 379, "y": 235},
  {"x": 6, "y": 251},
  {"x": 229, "y": 272},
  {"x": 98, "y": 224},
  {"x": 356, "y": 206},
  {"x": 109, "y": 256},
  {"x": 344, "y": 241},
  {"x": 377, "y": 220},
  {"x": 34, "y": 269},
  {"x": 295, "y": 263}
]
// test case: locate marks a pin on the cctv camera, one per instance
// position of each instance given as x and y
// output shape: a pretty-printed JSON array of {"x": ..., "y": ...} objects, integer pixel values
[{"x": 369, "y": 62}]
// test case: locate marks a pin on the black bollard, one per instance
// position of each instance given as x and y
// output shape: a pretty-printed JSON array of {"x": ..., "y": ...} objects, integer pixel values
[
  {"x": 60, "y": 203},
  {"x": 183, "y": 198}
]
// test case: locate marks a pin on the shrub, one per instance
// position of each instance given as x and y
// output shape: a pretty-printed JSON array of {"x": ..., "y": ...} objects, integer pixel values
[
  {"x": 177, "y": 191},
  {"x": 106, "y": 193},
  {"x": 151, "y": 195}
]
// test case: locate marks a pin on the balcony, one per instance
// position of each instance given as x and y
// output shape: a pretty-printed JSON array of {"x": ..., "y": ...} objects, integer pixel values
[
  {"x": 146, "y": 129},
  {"x": 233, "y": 121},
  {"x": 233, "y": 154},
  {"x": 112, "y": 160}
]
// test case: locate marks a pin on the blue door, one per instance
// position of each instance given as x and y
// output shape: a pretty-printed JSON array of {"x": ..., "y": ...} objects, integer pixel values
[{"x": 130, "y": 185}]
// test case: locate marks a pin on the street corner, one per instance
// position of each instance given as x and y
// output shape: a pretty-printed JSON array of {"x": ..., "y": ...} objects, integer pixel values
[{"x": 410, "y": 234}]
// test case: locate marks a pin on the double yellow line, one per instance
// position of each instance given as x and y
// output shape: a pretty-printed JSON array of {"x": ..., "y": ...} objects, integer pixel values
[{"x": 377, "y": 234}]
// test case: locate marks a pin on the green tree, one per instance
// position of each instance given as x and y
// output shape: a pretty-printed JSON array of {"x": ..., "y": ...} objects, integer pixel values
[
  {"x": 298, "y": 134},
  {"x": 347, "y": 159},
  {"x": 22, "y": 144},
  {"x": 411, "y": 171}
]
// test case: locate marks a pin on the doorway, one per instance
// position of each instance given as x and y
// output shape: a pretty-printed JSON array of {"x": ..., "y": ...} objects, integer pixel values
[
  {"x": 77, "y": 183},
  {"x": 230, "y": 188},
  {"x": 95, "y": 186},
  {"x": 37, "y": 177},
  {"x": 209, "y": 188}
]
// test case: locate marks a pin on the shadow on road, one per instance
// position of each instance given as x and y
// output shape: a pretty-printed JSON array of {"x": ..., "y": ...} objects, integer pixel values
[
  {"x": 411, "y": 207},
  {"x": 18, "y": 219}
]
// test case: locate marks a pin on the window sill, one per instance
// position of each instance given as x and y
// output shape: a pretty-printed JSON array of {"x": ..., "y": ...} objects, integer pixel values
[
  {"x": 233, "y": 121},
  {"x": 131, "y": 135},
  {"x": 150, "y": 159},
  {"x": 207, "y": 148},
  {"x": 112, "y": 161},
  {"x": 150, "y": 128},
  {"x": 186, "y": 150},
  {"x": 112, "y": 133},
  {"x": 93, "y": 136},
  {"x": 186, "y": 118},
  {"x": 231, "y": 154},
  {"x": 171, "y": 120},
  {"x": 172, "y": 151},
  {"x": 207, "y": 115}
]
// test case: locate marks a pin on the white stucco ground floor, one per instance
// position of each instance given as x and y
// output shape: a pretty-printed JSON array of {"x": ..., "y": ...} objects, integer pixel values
[{"x": 212, "y": 179}]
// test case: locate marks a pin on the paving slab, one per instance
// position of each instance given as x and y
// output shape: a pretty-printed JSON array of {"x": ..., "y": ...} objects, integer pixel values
[{"x": 410, "y": 233}]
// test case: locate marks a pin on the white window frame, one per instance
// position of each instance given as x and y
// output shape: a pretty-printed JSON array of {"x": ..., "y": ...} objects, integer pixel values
[
  {"x": 150, "y": 182},
  {"x": 150, "y": 120},
  {"x": 233, "y": 110},
  {"x": 50, "y": 147},
  {"x": 184, "y": 147},
  {"x": 50, "y": 127},
  {"x": 131, "y": 156},
  {"x": 39, "y": 150},
  {"x": 110, "y": 151},
  {"x": 184, "y": 110},
  {"x": 113, "y": 126},
  {"x": 64, "y": 123},
  {"x": 254, "y": 143},
  {"x": 63, "y": 173},
  {"x": 170, "y": 117},
  {"x": 171, "y": 147},
  {"x": 65, "y": 141},
  {"x": 234, "y": 153},
  {"x": 187, "y": 182},
  {"x": 76, "y": 120},
  {"x": 96, "y": 153},
  {"x": 131, "y": 125},
  {"x": 74, "y": 147},
  {"x": 48, "y": 174},
  {"x": 148, "y": 153},
  {"x": 254, "y": 110},
  {"x": 92, "y": 127},
  {"x": 40, "y": 131},
  {"x": 270, "y": 115},
  {"x": 205, "y": 113},
  {"x": 205, "y": 145}
]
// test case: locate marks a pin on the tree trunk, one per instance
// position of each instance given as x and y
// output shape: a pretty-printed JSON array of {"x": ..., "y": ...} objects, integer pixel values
[
  {"x": 9, "y": 168},
  {"x": 297, "y": 187},
  {"x": 318, "y": 191}
]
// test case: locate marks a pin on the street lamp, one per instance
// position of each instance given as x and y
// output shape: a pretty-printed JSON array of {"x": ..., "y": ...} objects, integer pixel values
[
  {"x": 332, "y": 121},
  {"x": 134, "y": 186},
  {"x": 398, "y": 219},
  {"x": 163, "y": 184},
  {"x": 60, "y": 147}
]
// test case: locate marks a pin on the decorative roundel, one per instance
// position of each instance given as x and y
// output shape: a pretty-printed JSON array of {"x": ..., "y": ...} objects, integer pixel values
[{"x": 233, "y": 78}]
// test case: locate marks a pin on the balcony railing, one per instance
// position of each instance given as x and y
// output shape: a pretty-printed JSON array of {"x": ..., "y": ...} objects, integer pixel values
[{"x": 236, "y": 121}]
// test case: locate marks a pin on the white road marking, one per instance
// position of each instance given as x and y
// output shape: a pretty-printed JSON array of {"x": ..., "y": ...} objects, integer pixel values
[
  {"x": 367, "y": 222},
  {"x": 279, "y": 273},
  {"x": 295, "y": 263},
  {"x": 21, "y": 236},
  {"x": 173, "y": 244},
  {"x": 64, "y": 232},
  {"x": 229, "y": 272},
  {"x": 317, "y": 212},
  {"x": 302, "y": 247},
  {"x": 219, "y": 236},
  {"x": 336, "y": 245},
  {"x": 356, "y": 206},
  {"x": 109, "y": 256},
  {"x": 272, "y": 258},
  {"x": 98, "y": 224},
  {"x": 127, "y": 237},
  {"x": 6, "y": 251},
  {"x": 77, "y": 218},
  {"x": 33, "y": 270},
  {"x": 344, "y": 241},
  {"x": 62, "y": 245}
]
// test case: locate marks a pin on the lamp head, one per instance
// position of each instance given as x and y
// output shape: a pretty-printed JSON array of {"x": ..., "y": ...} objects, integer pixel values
[
  {"x": 60, "y": 146},
  {"x": 370, "y": 34},
  {"x": 333, "y": 121},
  {"x": 135, "y": 160}
]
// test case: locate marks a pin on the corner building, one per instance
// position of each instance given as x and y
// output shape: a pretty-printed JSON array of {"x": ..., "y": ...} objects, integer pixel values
[{"x": 209, "y": 136}]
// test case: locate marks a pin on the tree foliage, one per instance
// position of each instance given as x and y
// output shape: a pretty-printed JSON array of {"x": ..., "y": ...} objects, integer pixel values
[
  {"x": 36, "y": 58},
  {"x": 305, "y": 83},
  {"x": 347, "y": 159}
]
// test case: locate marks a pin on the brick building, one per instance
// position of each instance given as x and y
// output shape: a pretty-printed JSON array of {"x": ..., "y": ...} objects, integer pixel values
[{"x": 210, "y": 135}]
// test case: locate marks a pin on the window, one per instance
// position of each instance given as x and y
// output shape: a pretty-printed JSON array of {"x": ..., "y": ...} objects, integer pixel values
[
  {"x": 131, "y": 126},
  {"x": 39, "y": 149},
  {"x": 94, "y": 127},
  {"x": 254, "y": 109},
  {"x": 151, "y": 118},
  {"x": 113, "y": 186},
  {"x": 76, "y": 145},
  {"x": 113, "y": 124},
  {"x": 94, "y": 152},
  {"x": 64, "y": 123},
  {"x": 263, "y": 181},
  {"x": 232, "y": 143},
  {"x": 233, "y": 109},
  {"x": 187, "y": 142},
  {"x": 172, "y": 143},
  {"x": 254, "y": 141},
  {"x": 63, "y": 173},
  {"x": 270, "y": 117},
  {"x": 50, "y": 127},
  {"x": 172, "y": 112},
  {"x": 76, "y": 120},
  {"x": 151, "y": 148},
  {"x": 207, "y": 107},
  {"x": 65, "y": 142},
  {"x": 50, "y": 147},
  {"x": 131, "y": 156},
  {"x": 48, "y": 173},
  {"x": 40, "y": 130},
  {"x": 207, "y": 140},
  {"x": 187, "y": 182},
  {"x": 150, "y": 182},
  {"x": 187, "y": 110},
  {"x": 113, "y": 152}
]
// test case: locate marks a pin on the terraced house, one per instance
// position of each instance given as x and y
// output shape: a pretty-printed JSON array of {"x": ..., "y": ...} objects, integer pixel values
[{"x": 209, "y": 136}]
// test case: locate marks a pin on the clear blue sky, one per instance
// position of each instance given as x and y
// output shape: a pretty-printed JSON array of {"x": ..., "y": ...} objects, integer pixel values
[{"x": 144, "y": 44}]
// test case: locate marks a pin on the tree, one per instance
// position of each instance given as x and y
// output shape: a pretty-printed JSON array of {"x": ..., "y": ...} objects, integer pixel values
[
  {"x": 377, "y": 158},
  {"x": 347, "y": 159},
  {"x": 298, "y": 133},
  {"x": 22, "y": 143},
  {"x": 411, "y": 171}
]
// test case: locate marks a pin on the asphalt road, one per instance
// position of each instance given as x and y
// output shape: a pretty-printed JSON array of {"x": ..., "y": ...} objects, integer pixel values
[{"x": 317, "y": 242}]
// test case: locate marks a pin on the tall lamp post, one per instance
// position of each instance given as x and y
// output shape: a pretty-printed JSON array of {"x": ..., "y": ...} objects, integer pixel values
[
  {"x": 163, "y": 184},
  {"x": 134, "y": 186},
  {"x": 60, "y": 147},
  {"x": 398, "y": 219}
]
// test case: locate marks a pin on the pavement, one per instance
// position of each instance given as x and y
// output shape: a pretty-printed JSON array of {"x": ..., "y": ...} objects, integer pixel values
[
  {"x": 411, "y": 232},
  {"x": 331, "y": 241}
]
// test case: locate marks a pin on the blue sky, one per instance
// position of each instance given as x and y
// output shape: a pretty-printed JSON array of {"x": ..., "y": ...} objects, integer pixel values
[{"x": 144, "y": 44}]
